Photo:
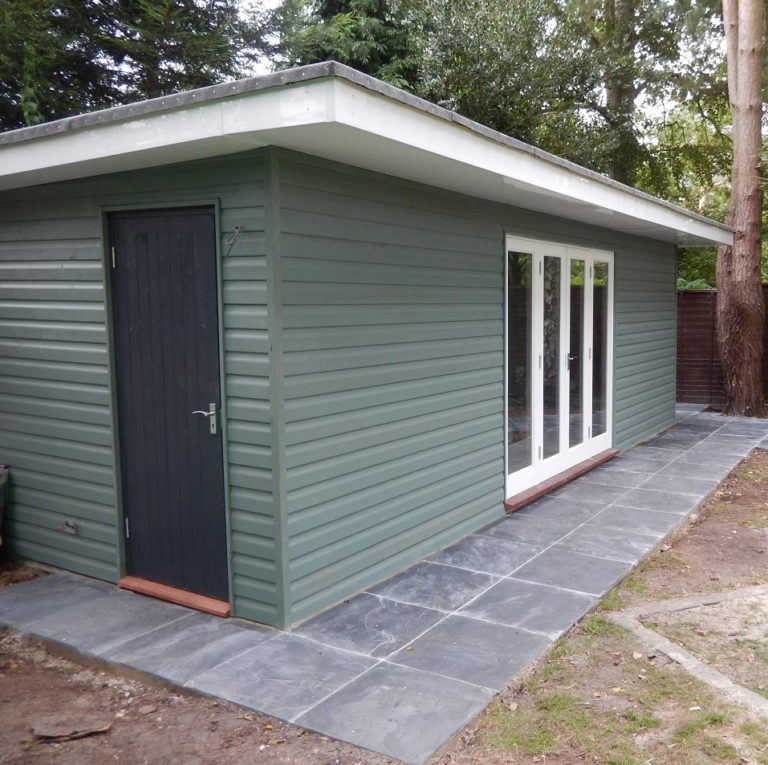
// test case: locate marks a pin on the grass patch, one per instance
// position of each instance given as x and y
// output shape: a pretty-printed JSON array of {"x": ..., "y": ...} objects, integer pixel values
[
  {"x": 756, "y": 732},
  {"x": 612, "y": 601},
  {"x": 640, "y": 719},
  {"x": 719, "y": 751},
  {"x": 598, "y": 626},
  {"x": 753, "y": 474},
  {"x": 635, "y": 583}
]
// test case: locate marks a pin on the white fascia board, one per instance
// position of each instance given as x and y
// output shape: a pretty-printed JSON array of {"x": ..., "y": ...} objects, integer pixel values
[
  {"x": 192, "y": 131},
  {"x": 353, "y": 123},
  {"x": 525, "y": 170}
]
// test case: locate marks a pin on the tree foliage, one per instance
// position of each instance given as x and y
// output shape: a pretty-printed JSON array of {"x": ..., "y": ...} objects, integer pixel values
[
  {"x": 370, "y": 35},
  {"x": 60, "y": 57},
  {"x": 575, "y": 77}
]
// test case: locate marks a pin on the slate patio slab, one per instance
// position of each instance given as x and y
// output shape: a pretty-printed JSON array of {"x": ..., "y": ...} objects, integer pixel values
[
  {"x": 370, "y": 624},
  {"x": 400, "y": 711},
  {"x": 497, "y": 652},
  {"x": 486, "y": 554},
  {"x": 400, "y": 668},
  {"x": 561, "y": 567},
  {"x": 187, "y": 647},
  {"x": 286, "y": 675},
  {"x": 534, "y": 607}
]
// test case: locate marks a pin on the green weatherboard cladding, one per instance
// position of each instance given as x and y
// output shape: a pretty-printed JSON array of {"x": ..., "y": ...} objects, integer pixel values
[
  {"x": 362, "y": 329},
  {"x": 56, "y": 411},
  {"x": 392, "y": 321}
]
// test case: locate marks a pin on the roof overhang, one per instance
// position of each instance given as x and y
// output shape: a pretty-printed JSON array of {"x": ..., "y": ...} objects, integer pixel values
[{"x": 335, "y": 112}]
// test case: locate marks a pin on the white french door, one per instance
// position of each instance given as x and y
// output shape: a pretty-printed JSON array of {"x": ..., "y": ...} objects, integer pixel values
[{"x": 559, "y": 358}]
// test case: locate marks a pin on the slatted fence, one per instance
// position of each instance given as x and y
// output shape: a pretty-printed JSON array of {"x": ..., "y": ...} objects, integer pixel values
[{"x": 699, "y": 374}]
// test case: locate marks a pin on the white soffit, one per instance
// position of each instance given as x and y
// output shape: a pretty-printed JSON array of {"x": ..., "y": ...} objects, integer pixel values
[{"x": 336, "y": 113}]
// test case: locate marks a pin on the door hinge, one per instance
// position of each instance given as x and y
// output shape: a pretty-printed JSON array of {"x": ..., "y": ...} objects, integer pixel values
[
  {"x": 113, "y": 257},
  {"x": 127, "y": 522}
]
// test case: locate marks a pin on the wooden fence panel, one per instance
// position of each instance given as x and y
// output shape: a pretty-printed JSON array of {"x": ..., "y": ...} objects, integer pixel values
[{"x": 699, "y": 374}]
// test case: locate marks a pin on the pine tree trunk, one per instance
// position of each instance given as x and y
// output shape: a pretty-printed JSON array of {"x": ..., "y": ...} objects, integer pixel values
[
  {"x": 740, "y": 309},
  {"x": 620, "y": 89}
]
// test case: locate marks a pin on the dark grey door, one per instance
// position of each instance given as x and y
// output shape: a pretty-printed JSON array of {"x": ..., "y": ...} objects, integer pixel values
[{"x": 166, "y": 336}]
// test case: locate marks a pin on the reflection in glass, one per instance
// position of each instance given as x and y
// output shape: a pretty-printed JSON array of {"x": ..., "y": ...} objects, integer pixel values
[
  {"x": 551, "y": 356},
  {"x": 576, "y": 356},
  {"x": 520, "y": 442},
  {"x": 599, "y": 348}
]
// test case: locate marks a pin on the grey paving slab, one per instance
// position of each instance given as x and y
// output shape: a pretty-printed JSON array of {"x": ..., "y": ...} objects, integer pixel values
[
  {"x": 662, "y": 501},
  {"x": 715, "y": 461},
  {"x": 481, "y": 553},
  {"x": 656, "y": 453},
  {"x": 612, "y": 476},
  {"x": 719, "y": 445},
  {"x": 601, "y": 494},
  {"x": 434, "y": 585},
  {"x": 564, "y": 568},
  {"x": 530, "y": 606},
  {"x": 701, "y": 469},
  {"x": 677, "y": 438},
  {"x": 662, "y": 453},
  {"x": 104, "y": 622},
  {"x": 574, "y": 510},
  {"x": 678, "y": 484},
  {"x": 688, "y": 408},
  {"x": 537, "y": 531},
  {"x": 399, "y": 711},
  {"x": 283, "y": 676},
  {"x": 639, "y": 463},
  {"x": 619, "y": 543},
  {"x": 697, "y": 425},
  {"x": 188, "y": 646},
  {"x": 655, "y": 524},
  {"x": 473, "y": 614},
  {"x": 497, "y": 652},
  {"x": 28, "y": 602},
  {"x": 370, "y": 624},
  {"x": 745, "y": 427}
]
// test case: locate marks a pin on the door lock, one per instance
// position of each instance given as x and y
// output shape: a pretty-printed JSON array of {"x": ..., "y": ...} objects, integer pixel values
[{"x": 212, "y": 417}]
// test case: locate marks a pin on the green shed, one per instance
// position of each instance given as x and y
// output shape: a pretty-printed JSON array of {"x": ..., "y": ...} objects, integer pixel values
[{"x": 271, "y": 341}]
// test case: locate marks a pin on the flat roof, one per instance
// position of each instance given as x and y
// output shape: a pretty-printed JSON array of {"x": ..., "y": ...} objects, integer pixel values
[{"x": 338, "y": 113}]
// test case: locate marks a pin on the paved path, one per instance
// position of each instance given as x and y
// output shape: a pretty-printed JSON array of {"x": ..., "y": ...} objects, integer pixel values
[{"x": 401, "y": 667}]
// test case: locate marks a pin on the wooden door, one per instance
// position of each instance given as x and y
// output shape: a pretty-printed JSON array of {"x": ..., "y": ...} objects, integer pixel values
[{"x": 166, "y": 349}]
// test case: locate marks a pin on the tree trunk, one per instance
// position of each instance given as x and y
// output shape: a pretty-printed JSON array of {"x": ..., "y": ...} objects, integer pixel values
[
  {"x": 740, "y": 309},
  {"x": 620, "y": 89}
]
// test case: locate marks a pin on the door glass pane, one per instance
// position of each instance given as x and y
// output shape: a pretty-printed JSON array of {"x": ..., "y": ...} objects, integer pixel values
[
  {"x": 551, "y": 360},
  {"x": 575, "y": 356},
  {"x": 519, "y": 436},
  {"x": 599, "y": 348}
]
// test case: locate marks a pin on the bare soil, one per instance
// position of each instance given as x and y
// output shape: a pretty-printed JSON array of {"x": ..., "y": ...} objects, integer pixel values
[
  {"x": 597, "y": 697},
  {"x": 44, "y": 698}
]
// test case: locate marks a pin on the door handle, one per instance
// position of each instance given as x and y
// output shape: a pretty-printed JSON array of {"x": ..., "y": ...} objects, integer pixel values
[
  {"x": 212, "y": 418},
  {"x": 568, "y": 360}
]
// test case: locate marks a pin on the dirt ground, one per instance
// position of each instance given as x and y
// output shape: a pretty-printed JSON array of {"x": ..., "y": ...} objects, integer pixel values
[
  {"x": 597, "y": 697},
  {"x": 44, "y": 698},
  {"x": 600, "y": 696}
]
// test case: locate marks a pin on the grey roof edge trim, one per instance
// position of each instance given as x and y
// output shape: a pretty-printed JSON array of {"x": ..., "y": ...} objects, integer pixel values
[{"x": 313, "y": 72}]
